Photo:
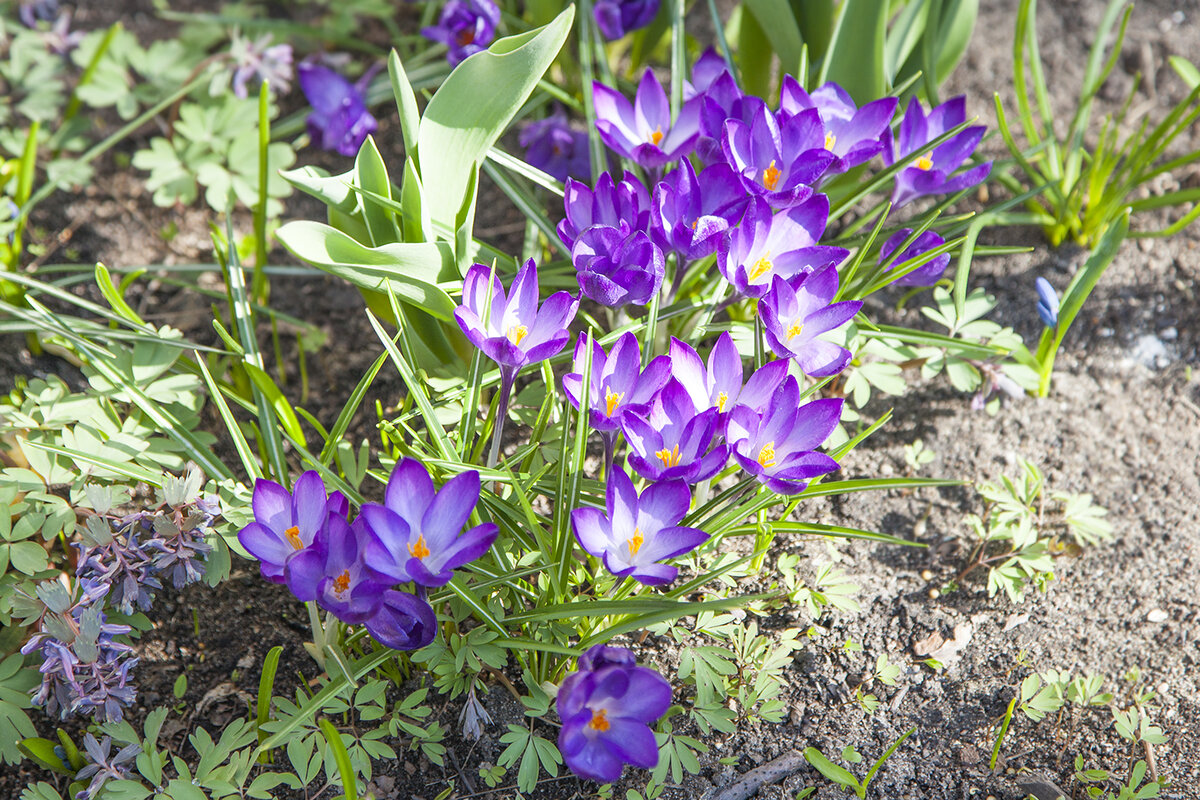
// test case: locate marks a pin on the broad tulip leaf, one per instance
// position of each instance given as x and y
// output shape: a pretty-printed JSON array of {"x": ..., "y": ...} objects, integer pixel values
[{"x": 856, "y": 55}]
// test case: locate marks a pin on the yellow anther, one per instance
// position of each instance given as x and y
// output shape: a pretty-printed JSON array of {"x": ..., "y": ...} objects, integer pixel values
[
  {"x": 656, "y": 136},
  {"x": 635, "y": 542},
  {"x": 516, "y": 333},
  {"x": 670, "y": 458},
  {"x": 600, "y": 721},
  {"x": 766, "y": 456},
  {"x": 292, "y": 534},
  {"x": 419, "y": 549},
  {"x": 341, "y": 583},
  {"x": 925, "y": 162},
  {"x": 830, "y": 141},
  {"x": 796, "y": 329},
  {"x": 762, "y": 267},
  {"x": 612, "y": 400},
  {"x": 770, "y": 176},
  {"x": 722, "y": 399}
]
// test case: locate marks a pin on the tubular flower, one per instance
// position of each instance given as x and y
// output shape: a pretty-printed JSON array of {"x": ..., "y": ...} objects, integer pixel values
[
  {"x": 339, "y": 120},
  {"x": 777, "y": 445},
  {"x": 719, "y": 383},
  {"x": 466, "y": 27},
  {"x": 102, "y": 766},
  {"x": 644, "y": 131},
  {"x": 418, "y": 532},
  {"x": 689, "y": 212},
  {"x": 286, "y": 523},
  {"x": 554, "y": 147},
  {"x": 777, "y": 162},
  {"x": 1047, "y": 305},
  {"x": 795, "y": 314},
  {"x": 334, "y": 573},
  {"x": 623, "y": 205},
  {"x": 615, "y": 18},
  {"x": 615, "y": 269},
  {"x": 766, "y": 246},
  {"x": 928, "y": 273},
  {"x": 932, "y": 172},
  {"x": 607, "y": 708},
  {"x": 638, "y": 532},
  {"x": 618, "y": 382},
  {"x": 516, "y": 331},
  {"x": 673, "y": 440},
  {"x": 852, "y": 134}
]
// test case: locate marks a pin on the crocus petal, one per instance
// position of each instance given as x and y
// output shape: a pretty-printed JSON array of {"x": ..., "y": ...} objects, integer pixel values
[
  {"x": 409, "y": 491},
  {"x": 272, "y": 505},
  {"x": 591, "y": 530},
  {"x": 821, "y": 359},
  {"x": 449, "y": 511},
  {"x": 662, "y": 505}
]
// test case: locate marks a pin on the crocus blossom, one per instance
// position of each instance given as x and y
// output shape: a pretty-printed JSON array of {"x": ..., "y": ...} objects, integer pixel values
[
  {"x": 718, "y": 384},
  {"x": 674, "y": 438},
  {"x": 334, "y": 573},
  {"x": 618, "y": 382},
  {"x": 466, "y": 27},
  {"x": 403, "y": 622},
  {"x": 635, "y": 532},
  {"x": 644, "y": 131},
  {"x": 766, "y": 246},
  {"x": 624, "y": 205},
  {"x": 607, "y": 707},
  {"x": 286, "y": 523},
  {"x": 794, "y": 315},
  {"x": 690, "y": 212},
  {"x": 932, "y": 172},
  {"x": 928, "y": 273},
  {"x": 776, "y": 446},
  {"x": 708, "y": 67},
  {"x": 778, "y": 162},
  {"x": 1047, "y": 305},
  {"x": 339, "y": 120},
  {"x": 852, "y": 134},
  {"x": 419, "y": 532},
  {"x": 554, "y": 147},
  {"x": 615, "y": 18},
  {"x": 615, "y": 269}
]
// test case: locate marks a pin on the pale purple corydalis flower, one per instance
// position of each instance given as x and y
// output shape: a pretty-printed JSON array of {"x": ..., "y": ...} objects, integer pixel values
[
  {"x": 932, "y": 172},
  {"x": 777, "y": 162},
  {"x": 853, "y": 135},
  {"x": 928, "y": 273},
  {"x": 644, "y": 131},
  {"x": 418, "y": 530},
  {"x": 784, "y": 244},
  {"x": 554, "y": 147},
  {"x": 339, "y": 120},
  {"x": 403, "y": 622},
  {"x": 618, "y": 383},
  {"x": 689, "y": 213},
  {"x": 674, "y": 439},
  {"x": 615, "y": 18},
  {"x": 259, "y": 59},
  {"x": 634, "y": 533},
  {"x": 102, "y": 766},
  {"x": 624, "y": 205},
  {"x": 615, "y": 269},
  {"x": 466, "y": 27},
  {"x": 112, "y": 553},
  {"x": 794, "y": 314},
  {"x": 607, "y": 707},
  {"x": 718, "y": 383},
  {"x": 333, "y": 571},
  {"x": 776, "y": 445},
  {"x": 287, "y": 522}
]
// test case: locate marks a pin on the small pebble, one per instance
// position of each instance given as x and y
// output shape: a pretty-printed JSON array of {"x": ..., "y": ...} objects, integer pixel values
[
  {"x": 934, "y": 594},
  {"x": 926, "y": 574},
  {"x": 1157, "y": 615}
]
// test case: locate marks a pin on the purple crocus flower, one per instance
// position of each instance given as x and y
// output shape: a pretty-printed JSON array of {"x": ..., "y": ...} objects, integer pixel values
[
  {"x": 339, "y": 120},
  {"x": 516, "y": 331},
  {"x": 672, "y": 440},
  {"x": 689, "y": 213},
  {"x": 418, "y": 532},
  {"x": 554, "y": 147},
  {"x": 928, "y": 273},
  {"x": 708, "y": 67},
  {"x": 466, "y": 27},
  {"x": 334, "y": 572},
  {"x": 766, "y": 246},
  {"x": 638, "y": 532},
  {"x": 607, "y": 708},
  {"x": 933, "y": 170},
  {"x": 623, "y": 205},
  {"x": 1047, "y": 305},
  {"x": 852, "y": 134},
  {"x": 776, "y": 445},
  {"x": 618, "y": 384},
  {"x": 719, "y": 383},
  {"x": 778, "y": 162},
  {"x": 643, "y": 132},
  {"x": 615, "y": 18},
  {"x": 286, "y": 523},
  {"x": 795, "y": 314},
  {"x": 403, "y": 622},
  {"x": 617, "y": 269}
]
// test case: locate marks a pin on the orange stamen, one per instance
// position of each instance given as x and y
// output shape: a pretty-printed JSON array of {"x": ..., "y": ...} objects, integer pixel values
[
  {"x": 635, "y": 542},
  {"x": 656, "y": 136},
  {"x": 766, "y": 456},
  {"x": 341, "y": 583},
  {"x": 292, "y": 534},
  {"x": 516, "y": 333},
  {"x": 670, "y": 458},
  {"x": 770, "y": 176},
  {"x": 925, "y": 162},
  {"x": 612, "y": 400},
  {"x": 419, "y": 549},
  {"x": 600, "y": 721}
]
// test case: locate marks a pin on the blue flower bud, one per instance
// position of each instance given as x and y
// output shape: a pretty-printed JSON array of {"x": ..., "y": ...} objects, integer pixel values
[{"x": 1047, "y": 306}]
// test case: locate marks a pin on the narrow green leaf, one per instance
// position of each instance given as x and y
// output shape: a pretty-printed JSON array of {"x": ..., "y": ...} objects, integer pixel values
[
  {"x": 406, "y": 103},
  {"x": 338, "y": 748}
]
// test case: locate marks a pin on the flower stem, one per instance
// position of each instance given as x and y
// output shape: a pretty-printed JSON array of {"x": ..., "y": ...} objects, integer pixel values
[
  {"x": 507, "y": 377},
  {"x": 610, "y": 442}
]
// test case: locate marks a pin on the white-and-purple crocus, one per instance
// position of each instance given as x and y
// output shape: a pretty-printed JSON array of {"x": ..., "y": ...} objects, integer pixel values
[
  {"x": 644, "y": 132},
  {"x": 635, "y": 533},
  {"x": 796, "y": 313},
  {"x": 933, "y": 170}
]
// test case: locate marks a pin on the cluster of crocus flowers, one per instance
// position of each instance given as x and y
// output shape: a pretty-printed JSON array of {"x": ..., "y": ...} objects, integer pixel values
[{"x": 351, "y": 567}]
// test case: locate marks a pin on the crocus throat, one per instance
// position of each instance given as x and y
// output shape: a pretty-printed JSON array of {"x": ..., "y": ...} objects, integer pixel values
[
  {"x": 655, "y": 136},
  {"x": 722, "y": 399},
  {"x": 465, "y": 37},
  {"x": 766, "y": 456},
  {"x": 292, "y": 534},
  {"x": 670, "y": 458},
  {"x": 830, "y": 141},
  {"x": 612, "y": 400},
  {"x": 516, "y": 333},
  {"x": 599, "y": 721},
  {"x": 635, "y": 542},
  {"x": 341, "y": 583},
  {"x": 770, "y": 176},
  {"x": 762, "y": 267},
  {"x": 796, "y": 329},
  {"x": 925, "y": 162},
  {"x": 419, "y": 549}
]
